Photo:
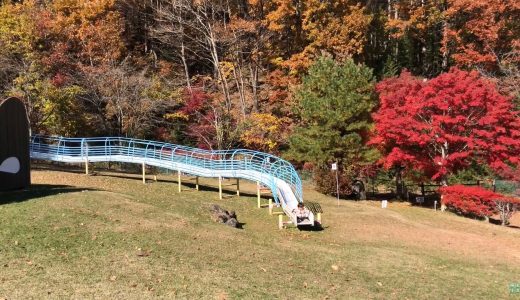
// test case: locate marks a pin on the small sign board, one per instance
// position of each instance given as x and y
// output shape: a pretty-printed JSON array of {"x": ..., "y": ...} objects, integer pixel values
[
  {"x": 334, "y": 167},
  {"x": 419, "y": 199},
  {"x": 384, "y": 204}
]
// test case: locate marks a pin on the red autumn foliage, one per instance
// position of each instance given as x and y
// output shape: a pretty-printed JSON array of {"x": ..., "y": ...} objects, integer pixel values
[
  {"x": 59, "y": 80},
  {"x": 441, "y": 125},
  {"x": 471, "y": 201},
  {"x": 195, "y": 100}
]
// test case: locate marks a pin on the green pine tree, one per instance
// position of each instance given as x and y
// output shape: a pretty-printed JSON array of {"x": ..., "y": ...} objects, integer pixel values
[
  {"x": 335, "y": 102},
  {"x": 334, "y": 105}
]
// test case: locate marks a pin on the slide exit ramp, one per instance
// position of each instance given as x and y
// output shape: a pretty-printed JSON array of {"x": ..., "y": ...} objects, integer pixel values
[{"x": 271, "y": 171}]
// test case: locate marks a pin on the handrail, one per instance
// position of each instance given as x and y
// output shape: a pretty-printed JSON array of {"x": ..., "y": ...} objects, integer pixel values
[{"x": 269, "y": 167}]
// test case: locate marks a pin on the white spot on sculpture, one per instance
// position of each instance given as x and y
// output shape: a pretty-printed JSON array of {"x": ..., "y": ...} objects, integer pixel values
[{"x": 10, "y": 165}]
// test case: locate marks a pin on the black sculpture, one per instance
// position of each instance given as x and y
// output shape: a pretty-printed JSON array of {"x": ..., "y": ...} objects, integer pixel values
[{"x": 15, "y": 162}]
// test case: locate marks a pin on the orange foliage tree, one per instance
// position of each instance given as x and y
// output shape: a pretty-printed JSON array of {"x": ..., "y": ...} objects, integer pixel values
[
  {"x": 337, "y": 27},
  {"x": 480, "y": 32}
]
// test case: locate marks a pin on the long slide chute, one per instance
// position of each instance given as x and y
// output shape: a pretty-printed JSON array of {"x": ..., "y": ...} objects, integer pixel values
[{"x": 271, "y": 171}]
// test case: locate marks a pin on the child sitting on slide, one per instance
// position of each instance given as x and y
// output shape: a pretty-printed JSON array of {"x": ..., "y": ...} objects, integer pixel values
[{"x": 302, "y": 213}]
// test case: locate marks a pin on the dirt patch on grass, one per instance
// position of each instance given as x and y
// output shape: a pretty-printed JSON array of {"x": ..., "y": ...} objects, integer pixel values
[{"x": 438, "y": 231}]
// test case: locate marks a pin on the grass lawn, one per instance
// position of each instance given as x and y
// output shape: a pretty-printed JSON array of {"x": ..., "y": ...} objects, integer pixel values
[{"x": 110, "y": 236}]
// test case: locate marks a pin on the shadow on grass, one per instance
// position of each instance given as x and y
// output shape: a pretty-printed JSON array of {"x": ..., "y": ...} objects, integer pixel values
[
  {"x": 499, "y": 222},
  {"x": 37, "y": 191},
  {"x": 136, "y": 176},
  {"x": 316, "y": 227},
  {"x": 185, "y": 184},
  {"x": 57, "y": 167}
]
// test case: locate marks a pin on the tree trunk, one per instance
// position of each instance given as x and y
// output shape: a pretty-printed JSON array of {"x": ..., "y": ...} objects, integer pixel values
[
  {"x": 362, "y": 192},
  {"x": 444, "y": 182},
  {"x": 359, "y": 187},
  {"x": 254, "y": 86},
  {"x": 399, "y": 184},
  {"x": 185, "y": 64}
]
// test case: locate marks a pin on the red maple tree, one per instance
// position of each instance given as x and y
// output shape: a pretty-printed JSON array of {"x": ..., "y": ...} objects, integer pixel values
[{"x": 441, "y": 125}]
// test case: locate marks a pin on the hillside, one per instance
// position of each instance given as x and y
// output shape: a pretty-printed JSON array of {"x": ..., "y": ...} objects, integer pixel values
[{"x": 109, "y": 235}]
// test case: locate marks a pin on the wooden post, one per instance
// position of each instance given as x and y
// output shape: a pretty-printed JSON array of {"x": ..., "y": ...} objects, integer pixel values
[
  {"x": 258, "y": 193},
  {"x": 179, "y": 183},
  {"x": 86, "y": 159},
  {"x": 238, "y": 187},
  {"x": 197, "y": 183},
  {"x": 144, "y": 173},
  {"x": 318, "y": 217},
  {"x": 270, "y": 206},
  {"x": 422, "y": 189},
  {"x": 220, "y": 187},
  {"x": 280, "y": 221}
]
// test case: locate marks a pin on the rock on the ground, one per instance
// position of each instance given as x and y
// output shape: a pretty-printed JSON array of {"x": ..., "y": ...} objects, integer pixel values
[{"x": 220, "y": 215}]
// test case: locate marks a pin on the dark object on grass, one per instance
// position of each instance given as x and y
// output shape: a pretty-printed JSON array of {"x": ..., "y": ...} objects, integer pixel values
[
  {"x": 15, "y": 163},
  {"x": 220, "y": 215}
]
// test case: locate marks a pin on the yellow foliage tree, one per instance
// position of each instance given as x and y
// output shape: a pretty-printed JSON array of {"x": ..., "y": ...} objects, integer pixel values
[
  {"x": 337, "y": 27},
  {"x": 263, "y": 132}
]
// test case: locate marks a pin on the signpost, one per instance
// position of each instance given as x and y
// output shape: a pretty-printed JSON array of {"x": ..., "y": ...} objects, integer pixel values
[{"x": 335, "y": 168}]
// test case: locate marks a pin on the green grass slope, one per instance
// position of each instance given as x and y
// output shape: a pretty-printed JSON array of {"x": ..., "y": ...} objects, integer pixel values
[{"x": 110, "y": 236}]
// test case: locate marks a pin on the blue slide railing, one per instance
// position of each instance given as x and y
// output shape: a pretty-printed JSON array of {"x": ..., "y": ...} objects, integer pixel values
[{"x": 239, "y": 163}]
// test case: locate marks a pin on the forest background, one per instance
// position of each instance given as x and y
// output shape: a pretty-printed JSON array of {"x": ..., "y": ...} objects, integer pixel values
[{"x": 304, "y": 79}]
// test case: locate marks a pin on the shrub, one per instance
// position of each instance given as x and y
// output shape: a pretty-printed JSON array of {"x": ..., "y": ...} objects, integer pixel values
[
  {"x": 326, "y": 181},
  {"x": 470, "y": 201}
]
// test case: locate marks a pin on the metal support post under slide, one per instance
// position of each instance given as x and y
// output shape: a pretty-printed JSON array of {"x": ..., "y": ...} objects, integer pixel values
[
  {"x": 86, "y": 159},
  {"x": 258, "y": 194},
  {"x": 281, "y": 223},
  {"x": 179, "y": 183},
  {"x": 144, "y": 173},
  {"x": 220, "y": 187},
  {"x": 238, "y": 187}
]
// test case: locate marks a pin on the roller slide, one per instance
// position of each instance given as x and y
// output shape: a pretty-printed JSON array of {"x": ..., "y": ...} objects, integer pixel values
[{"x": 271, "y": 171}]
